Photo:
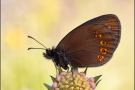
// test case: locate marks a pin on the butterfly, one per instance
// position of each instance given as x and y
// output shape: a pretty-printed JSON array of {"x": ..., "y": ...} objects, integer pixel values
[{"x": 91, "y": 44}]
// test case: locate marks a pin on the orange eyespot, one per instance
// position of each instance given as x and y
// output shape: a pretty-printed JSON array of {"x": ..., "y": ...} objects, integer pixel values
[
  {"x": 102, "y": 43},
  {"x": 103, "y": 50},
  {"x": 109, "y": 27},
  {"x": 100, "y": 58},
  {"x": 99, "y": 35},
  {"x": 95, "y": 32}
]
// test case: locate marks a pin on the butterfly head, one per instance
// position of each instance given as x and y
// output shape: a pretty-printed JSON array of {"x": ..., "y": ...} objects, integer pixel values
[{"x": 48, "y": 54}]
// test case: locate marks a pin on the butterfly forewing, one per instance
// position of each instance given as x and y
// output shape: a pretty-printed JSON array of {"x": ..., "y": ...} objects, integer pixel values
[
  {"x": 92, "y": 43},
  {"x": 113, "y": 24}
]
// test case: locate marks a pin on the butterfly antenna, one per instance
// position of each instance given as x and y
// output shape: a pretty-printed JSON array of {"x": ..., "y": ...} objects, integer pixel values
[
  {"x": 38, "y": 42},
  {"x": 36, "y": 48}
]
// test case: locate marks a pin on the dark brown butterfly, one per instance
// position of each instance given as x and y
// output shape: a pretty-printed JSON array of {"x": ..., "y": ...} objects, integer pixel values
[{"x": 89, "y": 45}]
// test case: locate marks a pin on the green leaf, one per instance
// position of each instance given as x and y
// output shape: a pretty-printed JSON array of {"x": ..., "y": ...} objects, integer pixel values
[
  {"x": 59, "y": 70},
  {"x": 96, "y": 78},
  {"x": 48, "y": 86},
  {"x": 97, "y": 82},
  {"x": 85, "y": 71},
  {"x": 53, "y": 78}
]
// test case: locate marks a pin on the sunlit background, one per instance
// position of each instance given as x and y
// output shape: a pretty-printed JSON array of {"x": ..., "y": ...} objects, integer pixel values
[{"x": 49, "y": 21}]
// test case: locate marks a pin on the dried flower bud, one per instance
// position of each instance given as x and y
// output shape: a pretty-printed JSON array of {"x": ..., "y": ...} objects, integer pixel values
[
  {"x": 91, "y": 79},
  {"x": 63, "y": 73},
  {"x": 55, "y": 85}
]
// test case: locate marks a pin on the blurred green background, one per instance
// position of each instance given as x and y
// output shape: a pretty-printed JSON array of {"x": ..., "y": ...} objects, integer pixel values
[{"x": 49, "y": 21}]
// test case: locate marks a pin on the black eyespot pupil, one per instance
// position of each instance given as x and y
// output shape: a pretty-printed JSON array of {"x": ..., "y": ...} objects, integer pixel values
[{"x": 103, "y": 50}]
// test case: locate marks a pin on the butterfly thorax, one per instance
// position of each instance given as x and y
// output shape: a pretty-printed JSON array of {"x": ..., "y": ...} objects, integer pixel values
[{"x": 57, "y": 57}]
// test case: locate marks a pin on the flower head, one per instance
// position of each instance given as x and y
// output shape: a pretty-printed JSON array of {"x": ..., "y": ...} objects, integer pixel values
[{"x": 73, "y": 80}]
